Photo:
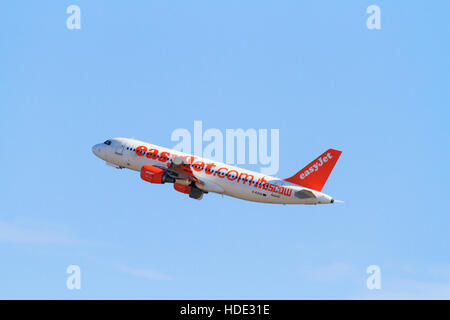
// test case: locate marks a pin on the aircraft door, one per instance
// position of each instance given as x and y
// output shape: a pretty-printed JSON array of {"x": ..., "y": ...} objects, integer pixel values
[{"x": 119, "y": 149}]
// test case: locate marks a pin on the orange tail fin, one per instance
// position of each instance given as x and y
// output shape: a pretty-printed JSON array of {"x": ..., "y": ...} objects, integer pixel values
[{"x": 315, "y": 174}]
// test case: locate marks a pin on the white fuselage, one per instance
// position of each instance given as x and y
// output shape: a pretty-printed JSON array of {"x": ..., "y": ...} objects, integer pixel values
[{"x": 215, "y": 176}]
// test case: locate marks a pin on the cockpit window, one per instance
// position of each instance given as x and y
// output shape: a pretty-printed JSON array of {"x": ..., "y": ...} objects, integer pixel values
[{"x": 108, "y": 142}]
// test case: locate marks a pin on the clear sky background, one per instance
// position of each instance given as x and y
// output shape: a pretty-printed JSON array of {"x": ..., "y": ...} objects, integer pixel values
[{"x": 142, "y": 69}]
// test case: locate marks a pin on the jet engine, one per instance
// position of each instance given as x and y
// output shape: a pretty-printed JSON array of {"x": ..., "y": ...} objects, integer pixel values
[
  {"x": 182, "y": 188},
  {"x": 154, "y": 174}
]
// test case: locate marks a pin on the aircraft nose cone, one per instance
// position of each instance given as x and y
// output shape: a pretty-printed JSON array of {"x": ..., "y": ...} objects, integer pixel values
[{"x": 96, "y": 150}]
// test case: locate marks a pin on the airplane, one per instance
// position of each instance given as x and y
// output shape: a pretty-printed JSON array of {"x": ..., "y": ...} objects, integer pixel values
[{"x": 197, "y": 176}]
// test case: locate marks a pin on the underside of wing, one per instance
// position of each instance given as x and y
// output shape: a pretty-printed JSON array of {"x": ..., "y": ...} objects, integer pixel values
[{"x": 180, "y": 169}]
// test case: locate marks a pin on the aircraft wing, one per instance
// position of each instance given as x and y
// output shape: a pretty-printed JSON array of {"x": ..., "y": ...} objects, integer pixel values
[{"x": 180, "y": 169}]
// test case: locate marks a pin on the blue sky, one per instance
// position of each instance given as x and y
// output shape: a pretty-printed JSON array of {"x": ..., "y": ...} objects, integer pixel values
[{"x": 143, "y": 69}]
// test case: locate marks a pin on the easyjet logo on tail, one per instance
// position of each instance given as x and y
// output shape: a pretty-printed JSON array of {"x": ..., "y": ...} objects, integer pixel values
[
  {"x": 315, "y": 167},
  {"x": 315, "y": 174}
]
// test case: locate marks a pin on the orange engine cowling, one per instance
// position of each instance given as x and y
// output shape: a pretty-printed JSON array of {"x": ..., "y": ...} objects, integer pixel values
[
  {"x": 152, "y": 174},
  {"x": 182, "y": 188}
]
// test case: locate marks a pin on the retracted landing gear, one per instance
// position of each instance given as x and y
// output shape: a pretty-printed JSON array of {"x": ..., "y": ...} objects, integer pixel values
[{"x": 195, "y": 192}]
